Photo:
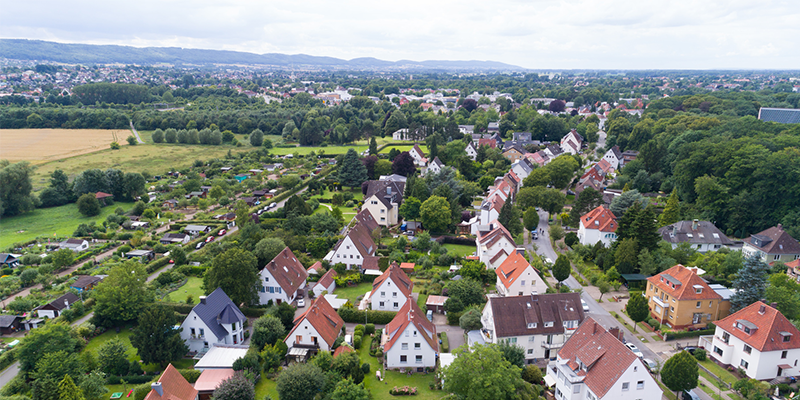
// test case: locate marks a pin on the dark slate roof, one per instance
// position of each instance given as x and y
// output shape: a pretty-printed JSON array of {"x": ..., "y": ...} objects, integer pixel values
[
  {"x": 218, "y": 309},
  {"x": 86, "y": 280},
  {"x": 705, "y": 232},
  {"x": 7, "y": 258},
  {"x": 774, "y": 241},
  {"x": 512, "y": 314},
  {"x": 388, "y": 192},
  {"x": 8, "y": 320},
  {"x": 780, "y": 115},
  {"x": 58, "y": 303}
]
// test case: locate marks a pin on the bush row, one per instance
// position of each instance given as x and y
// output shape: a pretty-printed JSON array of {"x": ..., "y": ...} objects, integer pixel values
[
  {"x": 350, "y": 314},
  {"x": 684, "y": 334}
]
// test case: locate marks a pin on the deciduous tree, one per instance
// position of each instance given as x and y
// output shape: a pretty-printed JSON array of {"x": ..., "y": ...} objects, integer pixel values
[
  {"x": 499, "y": 379},
  {"x": 637, "y": 308},
  {"x": 237, "y": 387},
  {"x": 435, "y": 214},
  {"x": 155, "y": 339},
  {"x": 300, "y": 382},
  {"x": 121, "y": 296},
  {"x": 561, "y": 269},
  {"x": 88, "y": 205},
  {"x": 267, "y": 330},
  {"x": 236, "y": 272},
  {"x": 680, "y": 372}
]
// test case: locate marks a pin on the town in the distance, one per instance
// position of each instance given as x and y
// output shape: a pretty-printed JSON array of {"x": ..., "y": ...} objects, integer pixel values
[{"x": 241, "y": 232}]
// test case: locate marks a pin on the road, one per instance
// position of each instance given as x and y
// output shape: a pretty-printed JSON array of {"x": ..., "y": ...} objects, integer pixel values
[{"x": 138, "y": 139}]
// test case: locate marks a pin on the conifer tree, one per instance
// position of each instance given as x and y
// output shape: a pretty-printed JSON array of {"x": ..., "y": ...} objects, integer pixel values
[
  {"x": 373, "y": 146},
  {"x": 352, "y": 172},
  {"x": 645, "y": 229},
  {"x": 670, "y": 214},
  {"x": 750, "y": 283}
]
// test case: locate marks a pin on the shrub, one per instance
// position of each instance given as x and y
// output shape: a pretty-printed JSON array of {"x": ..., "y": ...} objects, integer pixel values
[
  {"x": 369, "y": 329},
  {"x": 403, "y": 391},
  {"x": 357, "y": 342},
  {"x": 700, "y": 355},
  {"x": 365, "y": 368}
]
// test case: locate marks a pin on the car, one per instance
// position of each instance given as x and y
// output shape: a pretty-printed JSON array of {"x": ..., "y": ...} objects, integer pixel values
[
  {"x": 172, "y": 261},
  {"x": 634, "y": 349},
  {"x": 260, "y": 212},
  {"x": 650, "y": 364},
  {"x": 689, "y": 395},
  {"x": 548, "y": 260},
  {"x": 570, "y": 192},
  {"x": 209, "y": 239},
  {"x": 691, "y": 349},
  {"x": 301, "y": 303},
  {"x": 585, "y": 305},
  {"x": 222, "y": 232},
  {"x": 200, "y": 245},
  {"x": 534, "y": 236},
  {"x": 273, "y": 205}
]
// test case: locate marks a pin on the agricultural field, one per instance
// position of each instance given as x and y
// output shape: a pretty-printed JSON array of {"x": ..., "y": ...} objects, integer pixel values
[{"x": 43, "y": 145}]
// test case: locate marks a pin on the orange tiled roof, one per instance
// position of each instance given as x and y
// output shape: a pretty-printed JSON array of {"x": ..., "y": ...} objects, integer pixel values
[
  {"x": 601, "y": 219},
  {"x": 323, "y": 318},
  {"x": 511, "y": 269},
  {"x": 410, "y": 313},
  {"x": 399, "y": 278},
  {"x": 174, "y": 386},
  {"x": 682, "y": 283},
  {"x": 770, "y": 324}
]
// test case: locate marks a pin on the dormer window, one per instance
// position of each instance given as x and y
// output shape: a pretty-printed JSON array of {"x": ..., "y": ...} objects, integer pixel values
[
  {"x": 785, "y": 336},
  {"x": 531, "y": 325},
  {"x": 548, "y": 324}
]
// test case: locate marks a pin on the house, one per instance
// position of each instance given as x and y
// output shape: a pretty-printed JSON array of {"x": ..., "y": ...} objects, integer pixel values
[
  {"x": 539, "y": 323},
  {"x": 495, "y": 245},
  {"x": 390, "y": 290},
  {"x": 216, "y": 315},
  {"x": 315, "y": 268},
  {"x": 466, "y": 129},
  {"x": 400, "y": 134},
  {"x": 488, "y": 142},
  {"x": 702, "y": 235},
  {"x": 143, "y": 255},
  {"x": 75, "y": 245},
  {"x": 613, "y": 156},
  {"x": 681, "y": 299},
  {"x": 282, "y": 280},
  {"x": 140, "y": 224},
  {"x": 325, "y": 284},
  {"x": 595, "y": 364},
  {"x": 409, "y": 340},
  {"x": 793, "y": 269},
  {"x": 54, "y": 308},
  {"x": 598, "y": 225},
  {"x": 553, "y": 151},
  {"x": 32, "y": 323},
  {"x": 435, "y": 166},
  {"x": 472, "y": 151},
  {"x": 104, "y": 198},
  {"x": 541, "y": 158},
  {"x": 515, "y": 153},
  {"x": 209, "y": 380},
  {"x": 779, "y": 115},
  {"x": 169, "y": 204},
  {"x": 571, "y": 143},
  {"x": 524, "y": 136},
  {"x": 260, "y": 193},
  {"x": 771, "y": 245},
  {"x": 516, "y": 277},
  {"x": 418, "y": 156},
  {"x": 383, "y": 200},
  {"x": 8, "y": 260},
  {"x": 393, "y": 178},
  {"x": 436, "y": 303},
  {"x": 628, "y": 156},
  {"x": 86, "y": 282},
  {"x": 314, "y": 330},
  {"x": 221, "y": 357},
  {"x": 175, "y": 238},
  {"x": 522, "y": 168},
  {"x": 198, "y": 194},
  {"x": 195, "y": 230},
  {"x": 9, "y": 324},
  {"x": 758, "y": 339},
  {"x": 171, "y": 386},
  {"x": 354, "y": 247}
]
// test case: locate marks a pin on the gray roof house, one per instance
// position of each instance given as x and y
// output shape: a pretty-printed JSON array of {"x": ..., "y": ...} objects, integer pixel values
[
  {"x": 216, "y": 320},
  {"x": 702, "y": 235},
  {"x": 779, "y": 115}
]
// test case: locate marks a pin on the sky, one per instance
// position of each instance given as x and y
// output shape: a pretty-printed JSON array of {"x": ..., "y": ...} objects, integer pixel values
[{"x": 576, "y": 34}]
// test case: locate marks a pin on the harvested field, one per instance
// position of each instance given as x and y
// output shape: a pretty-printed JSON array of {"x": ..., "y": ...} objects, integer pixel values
[{"x": 43, "y": 145}]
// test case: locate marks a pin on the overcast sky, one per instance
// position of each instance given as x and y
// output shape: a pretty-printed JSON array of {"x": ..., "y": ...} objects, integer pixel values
[{"x": 592, "y": 34}]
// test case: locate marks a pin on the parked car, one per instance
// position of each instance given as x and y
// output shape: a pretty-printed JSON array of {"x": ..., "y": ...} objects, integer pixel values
[
  {"x": 273, "y": 205},
  {"x": 650, "y": 364},
  {"x": 301, "y": 303},
  {"x": 634, "y": 349},
  {"x": 200, "y": 245},
  {"x": 209, "y": 239},
  {"x": 691, "y": 349},
  {"x": 222, "y": 232},
  {"x": 585, "y": 305},
  {"x": 689, "y": 395}
]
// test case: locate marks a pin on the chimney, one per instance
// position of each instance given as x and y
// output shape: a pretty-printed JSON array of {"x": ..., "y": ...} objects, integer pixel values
[
  {"x": 674, "y": 230},
  {"x": 761, "y": 309},
  {"x": 157, "y": 387},
  {"x": 695, "y": 222},
  {"x": 780, "y": 227},
  {"x": 616, "y": 333},
  {"x": 202, "y": 299},
  {"x": 389, "y": 190},
  {"x": 774, "y": 305},
  {"x": 66, "y": 304}
]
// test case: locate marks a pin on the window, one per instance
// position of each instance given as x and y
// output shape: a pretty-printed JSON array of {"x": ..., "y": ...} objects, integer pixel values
[
  {"x": 744, "y": 364},
  {"x": 233, "y": 326},
  {"x": 192, "y": 331},
  {"x": 404, "y": 346},
  {"x": 698, "y": 305},
  {"x": 523, "y": 282},
  {"x": 415, "y": 333},
  {"x": 395, "y": 305},
  {"x": 717, "y": 350},
  {"x": 266, "y": 279},
  {"x": 625, "y": 386},
  {"x": 403, "y": 359},
  {"x": 383, "y": 294},
  {"x": 531, "y": 338},
  {"x": 419, "y": 359},
  {"x": 381, "y": 304},
  {"x": 531, "y": 325},
  {"x": 726, "y": 337},
  {"x": 709, "y": 304},
  {"x": 784, "y": 354},
  {"x": 548, "y": 324},
  {"x": 576, "y": 388},
  {"x": 202, "y": 332},
  {"x": 748, "y": 349},
  {"x": 787, "y": 338},
  {"x": 417, "y": 346},
  {"x": 298, "y": 339},
  {"x": 394, "y": 294},
  {"x": 640, "y": 385},
  {"x": 530, "y": 351},
  {"x": 776, "y": 257}
]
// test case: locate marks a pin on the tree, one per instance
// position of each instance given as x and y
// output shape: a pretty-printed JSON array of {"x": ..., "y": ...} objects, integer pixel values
[
  {"x": 587, "y": 200},
  {"x": 670, "y": 215},
  {"x": 256, "y": 138},
  {"x": 348, "y": 365},
  {"x": 531, "y": 219},
  {"x": 352, "y": 171},
  {"x": 15, "y": 188},
  {"x": 266, "y": 249},
  {"x": 236, "y": 272},
  {"x": 561, "y": 269},
  {"x": 435, "y": 214},
  {"x": 121, "y": 296},
  {"x": 216, "y": 192},
  {"x": 466, "y": 291},
  {"x": 296, "y": 205},
  {"x": 237, "y": 387},
  {"x": 93, "y": 385},
  {"x": 626, "y": 256},
  {"x": 63, "y": 258},
  {"x": 373, "y": 146},
  {"x": 409, "y": 210},
  {"x": 112, "y": 357},
  {"x": 369, "y": 162},
  {"x": 603, "y": 286},
  {"x": 637, "y": 308},
  {"x": 158, "y": 136},
  {"x": 68, "y": 391},
  {"x": 750, "y": 283},
  {"x": 48, "y": 339},
  {"x": 680, "y": 372},
  {"x": 267, "y": 330},
  {"x": 621, "y": 203},
  {"x": 57, "y": 364},
  {"x": 348, "y": 390},
  {"x": 512, "y": 353},
  {"x": 178, "y": 255},
  {"x": 300, "y": 382},
  {"x": 532, "y": 374},
  {"x": 470, "y": 320},
  {"x": 155, "y": 339},
  {"x": 88, "y": 205},
  {"x": 498, "y": 378},
  {"x": 645, "y": 229},
  {"x": 509, "y": 217},
  {"x": 403, "y": 164}
]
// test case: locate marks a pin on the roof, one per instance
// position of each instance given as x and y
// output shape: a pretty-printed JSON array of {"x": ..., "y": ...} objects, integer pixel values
[
  {"x": 327, "y": 279},
  {"x": 344, "y": 348},
  {"x": 365, "y": 218},
  {"x": 601, "y": 219},
  {"x": 774, "y": 241},
  {"x": 780, "y": 115},
  {"x": 8, "y": 320},
  {"x": 211, "y": 378},
  {"x": 387, "y": 192},
  {"x": 218, "y": 305},
  {"x": 615, "y": 150},
  {"x": 527, "y": 315},
  {"x": 512, "y": 268},
  {"x": 314, "y": 267},
  {"x": 174, "y": 386},
  {"x": 178, "y": 236},
  {"x": 361, "y": 236},
  {"x": 5, "y": 257},
  {"x": 323, "y": 318},
  {"x": 434, "y": 300},
  {"x": 406, "y": 266},
  {"x": 102, "y": 195},
  {"x": 400, "y": 279},
  {"x": 497, "y": 232},
  {"x": 371, "y": 263},
  {"x": 410, "y": 314},
  {"x": 85, "y": 281},
  {"x": 76, "y": 242},
  {"x": 604, "y": 355},
  {"x": 58, "y": 304},
  {"x": 438, "y": 162},
  {"x": 682, "y": 283},
  {"x": 684, "y": 231},
  {"x": 771, "y": 328},
  {"x": 221, "y": 356},
  {"x": 418, "y": 150},
  {"x": 287, "y": 271}
]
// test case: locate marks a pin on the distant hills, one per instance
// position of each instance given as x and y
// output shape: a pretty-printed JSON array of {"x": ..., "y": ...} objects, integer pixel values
[{"x": 69, "y": 53}]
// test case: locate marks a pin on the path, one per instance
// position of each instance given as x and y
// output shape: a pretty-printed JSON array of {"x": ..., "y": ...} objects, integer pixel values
[{"x": 138, "y": 139}]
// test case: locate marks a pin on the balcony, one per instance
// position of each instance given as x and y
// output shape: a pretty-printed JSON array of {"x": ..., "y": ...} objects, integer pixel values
[
  {"x": 552, "y": 345},
  {"x": 197, "y": 337},
  {"x": 660, "y": 302}
]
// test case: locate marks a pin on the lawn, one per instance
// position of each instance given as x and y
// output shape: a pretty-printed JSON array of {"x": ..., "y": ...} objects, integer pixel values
[
  {"x": 380, "y": 390},
  {"x": 718, "y": 371},
  {"x": 125, "y": 336},
  {"x": 352, "y": 292},
  {"x": 192, "y": 287},
  {"x": 460, "y": 250},
  {"x": 61, "y": 220},
  {"x": 303, "y": 150},
  {"x": 403, "y": 147},
  {"x": 266, "y": 387}
]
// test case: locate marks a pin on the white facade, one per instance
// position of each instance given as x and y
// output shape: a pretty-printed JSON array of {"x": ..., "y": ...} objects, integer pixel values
[
  {"x": 383, "y": 215},
  {"x": 589, "y": 237},
  {"x": 319, "y": 289},
  {"x": 472, "y": 153},
  {"x": 635, "y": 383},
  {"x": 411, "y": 350},
  {"x": 271, "y": 290},
  {"x": 348, "y": 254},
  {"x": 522, "y": 173},
  {"x": 535, "y": 346},
  {"x": 527, "y": 283},
  {"x": 749, "y": 250},
  {"x": 433, "y": 168},
  {"x": 387, "y": 297},
  {"x": 74, "y": 246},
  {"x": 486, "y": 253},
  {"x": 419, "y": 158},
  {"x": 612, "y": 159},
  {"x": 306, "y": 334},
  {"x": 400, "y": 134},
  {"x": 197, "y": 335},
  {"x": 571, "y": 143},
  {"x": 756, "y": 364}
]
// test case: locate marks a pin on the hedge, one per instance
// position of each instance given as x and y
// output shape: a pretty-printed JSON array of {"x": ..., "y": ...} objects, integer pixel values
[
  {"x": 445, "y": 346},
  {"x": 458, "y": 240},
  {"x": 684, "y": 334},
  {"x": 130, "y": 379},
  {"x": 252, "y": 312},
  {"x": 180, "y": 308},
  {"x": 190, "y": 375},
  {"x": 7, "y": 359},
  {"x": 155, "y": 265},
  {"x": 294, "y": 190},
  {"x": 453, "y": 317},
  {"x": 350, "y": 314}
]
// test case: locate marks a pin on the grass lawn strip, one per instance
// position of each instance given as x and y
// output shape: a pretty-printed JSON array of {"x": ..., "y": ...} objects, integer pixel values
[
  {"x": 192, "y": 287},
  {"x": 352, "y": 292},
  {"x": 380, "y": 390},
  {"x": 460, "y": 250}
]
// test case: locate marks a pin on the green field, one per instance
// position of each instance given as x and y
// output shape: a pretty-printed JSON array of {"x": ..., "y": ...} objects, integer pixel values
[
  {"x": 460, "y": 250},
  {"x": 351, "y": 293},
  {"x": 192, "y": 287},
  {"x": 61, "y": 220}
]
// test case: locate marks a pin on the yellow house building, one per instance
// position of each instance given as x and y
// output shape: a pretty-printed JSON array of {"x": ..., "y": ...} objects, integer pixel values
[{"x": 681, "y": 299}]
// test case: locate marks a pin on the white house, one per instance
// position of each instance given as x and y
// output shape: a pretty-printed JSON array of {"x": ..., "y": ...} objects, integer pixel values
[
  {"x": 214, "y": 321},
  {"x": 354, "y": 246},
  {"x": 598, "y": 225},
  {"x": 472, "y": 151},
  {"x": 383, "y": 200},
  {"x": 418, "y": 156},
  {"x": 522, "y": 168},
  {"x": 493, "y": 246},
  {"x": 400, "y": 134},
  {"x": 571, "y": 142},
  {"x": 594, "y": 364},
  {"x": 613, "y": 156},
  {"x": 390, "y": 290},
  {"x": 435, "y": 166},
  {"x": 410, "y": 340},
  {"x": 282, "y": 279},
  {"x": 75, "y": 245},
  {"x": 703, "y": 236},
  {"x": 326, "y": 283},
  {"x": 316, "y": 329},
  {"x": 54, "y": 308},
  {"x": 771, "y": 245},
  {"x": 540, "y": 324},
  {"x": 516, "y": 277},
  {"x": 757, "y": 339},
  {"x": 195, "y": 230}
]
